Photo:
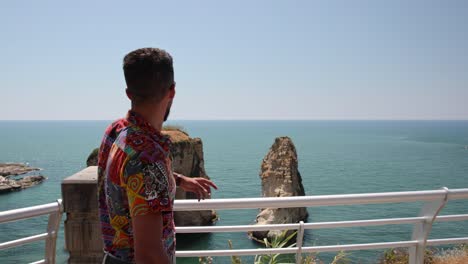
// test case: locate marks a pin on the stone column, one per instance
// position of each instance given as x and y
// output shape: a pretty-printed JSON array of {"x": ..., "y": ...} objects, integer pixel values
[{"x": 82, "y": 229}]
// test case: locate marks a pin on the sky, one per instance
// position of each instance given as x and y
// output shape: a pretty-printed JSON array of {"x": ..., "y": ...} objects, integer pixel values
[{"x": 272, "y": 60}]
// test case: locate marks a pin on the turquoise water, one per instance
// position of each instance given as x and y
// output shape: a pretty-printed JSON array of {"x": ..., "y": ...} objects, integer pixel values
[{"x": 335, "y": 157}]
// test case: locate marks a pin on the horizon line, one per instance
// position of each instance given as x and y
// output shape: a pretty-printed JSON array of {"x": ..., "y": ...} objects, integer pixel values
[{"x": 175, "y": 120}]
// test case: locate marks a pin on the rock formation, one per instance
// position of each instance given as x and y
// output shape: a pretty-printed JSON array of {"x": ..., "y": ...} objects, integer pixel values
[
  {"x": 92, "y": 159},
  {"x": 187, "y": 159},
  {"x": 280, "y": 178},
  {"x": 9, "y": 170}
]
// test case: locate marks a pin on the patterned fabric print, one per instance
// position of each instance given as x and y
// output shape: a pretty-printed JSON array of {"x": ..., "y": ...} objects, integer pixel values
[{"x": 135, "y": 178}]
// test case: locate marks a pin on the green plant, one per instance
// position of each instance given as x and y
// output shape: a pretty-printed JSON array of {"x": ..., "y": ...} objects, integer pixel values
[
  {"x": 277, "y": 242},
  {"x": 282, "y": 241},
  {"x": 395, "y": 256},
  {"x": 234, "y": 259},
  {"x": 205, "y": 260},
  {"x": 456, "y": 255},
  {"x": 310, "y": 259},
  {"x": 401, "y": 256},
  {"x": 341, "y": 258}
]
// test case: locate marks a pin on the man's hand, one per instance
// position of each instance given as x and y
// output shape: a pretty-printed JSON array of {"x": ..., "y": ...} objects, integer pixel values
[{"x": 200, "y": 186}]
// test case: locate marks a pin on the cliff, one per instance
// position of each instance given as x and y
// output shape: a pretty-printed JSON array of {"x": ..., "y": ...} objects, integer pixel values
[
  {"x": 280, "y": 178},
  {"x": 188, "y": 160}
]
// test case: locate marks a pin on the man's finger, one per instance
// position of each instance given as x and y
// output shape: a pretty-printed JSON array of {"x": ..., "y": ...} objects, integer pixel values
[
  {"x": 205, "y": 190},
  {"x": 207, "y": 187},
  {"x": 201, "y": 195},
  {"x": 210, "y": 183}
]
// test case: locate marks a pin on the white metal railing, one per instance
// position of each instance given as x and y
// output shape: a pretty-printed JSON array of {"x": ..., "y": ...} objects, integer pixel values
[
  {"x": 54, "y": 210},
  {"x": 434, "y": 201}
]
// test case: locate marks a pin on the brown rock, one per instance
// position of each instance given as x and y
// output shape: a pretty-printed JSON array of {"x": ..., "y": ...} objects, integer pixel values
[
  {"x": 8, "y": 185},
  {"x": 11, "y": 169},
  {"x": 187, "y": 159},
  {"x": 280, "y": 178},
  {"x": 92, "y": 159},
  {"x": 30, "y": 181}
]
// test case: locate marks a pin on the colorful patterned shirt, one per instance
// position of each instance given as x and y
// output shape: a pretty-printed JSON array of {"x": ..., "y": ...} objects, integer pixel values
[{"x": 134, "y": 178}]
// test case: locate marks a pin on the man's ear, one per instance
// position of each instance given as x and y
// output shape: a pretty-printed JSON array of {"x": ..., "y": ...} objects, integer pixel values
[
  {"x": 129, "y": 95},
  {"x": 172, "y": 91}
]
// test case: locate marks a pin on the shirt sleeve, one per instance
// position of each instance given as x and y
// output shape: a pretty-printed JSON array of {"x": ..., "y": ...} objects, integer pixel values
[{"x": 147, "y": 187}]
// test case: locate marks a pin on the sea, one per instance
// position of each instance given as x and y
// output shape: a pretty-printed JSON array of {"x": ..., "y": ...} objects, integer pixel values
[{"x": 335, "y": 157}]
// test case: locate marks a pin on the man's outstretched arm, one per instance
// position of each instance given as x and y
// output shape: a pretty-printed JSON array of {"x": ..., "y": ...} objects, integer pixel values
[
  {"x": 200, "y": 186},
  {"x": 147, "y": 232}
]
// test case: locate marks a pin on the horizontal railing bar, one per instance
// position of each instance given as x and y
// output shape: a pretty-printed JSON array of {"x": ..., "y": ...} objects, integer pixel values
[
  {"x": 442, "y": 241},
  {"x": 379, "y": 222},
  {"x": 360, "y": 223},
  {"x": 319, "y": 225},
  {"x": 447, "y": 218},
  {"x": 23, "y": 241},
  {"x": 333, "y": 248},
  {"x": 39, "y": 262},
  {"x": 235, "y": 252},
  {"x": 367, "y": 246},
  {"x": 292, "y": 250},
  {"x": 28, "y": 212},
  {"x": 457, "y": 194},
  {"x": 318, "y": 200},
  {"x": 237, "y": 228}
]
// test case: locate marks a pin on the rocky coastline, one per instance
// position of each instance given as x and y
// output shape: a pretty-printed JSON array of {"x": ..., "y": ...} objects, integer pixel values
[{"x": 9, "y": 182}]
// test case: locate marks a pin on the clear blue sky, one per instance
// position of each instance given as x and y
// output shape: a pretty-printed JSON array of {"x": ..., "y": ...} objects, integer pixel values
[{"x": 239, "y": 59}]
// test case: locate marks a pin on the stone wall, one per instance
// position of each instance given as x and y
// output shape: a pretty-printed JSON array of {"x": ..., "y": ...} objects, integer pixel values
[{"x": 82, "y": 228}]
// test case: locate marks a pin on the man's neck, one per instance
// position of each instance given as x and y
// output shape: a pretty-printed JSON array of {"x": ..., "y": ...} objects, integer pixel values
[{"x": 151, "y": 114}]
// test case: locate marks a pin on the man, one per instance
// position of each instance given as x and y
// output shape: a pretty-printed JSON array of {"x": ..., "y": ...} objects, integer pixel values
[{"x": 136, "y": 183}]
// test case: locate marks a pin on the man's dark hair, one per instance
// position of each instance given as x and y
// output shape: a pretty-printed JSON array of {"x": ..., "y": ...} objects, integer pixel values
[{"x": 148, "y": 73}]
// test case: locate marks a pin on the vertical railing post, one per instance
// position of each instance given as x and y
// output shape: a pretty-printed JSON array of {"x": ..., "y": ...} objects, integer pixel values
[
  {"x": 421, "y": 230},
  {"x": 299, "y": 242},
  {"x": 52, "y": 231}
]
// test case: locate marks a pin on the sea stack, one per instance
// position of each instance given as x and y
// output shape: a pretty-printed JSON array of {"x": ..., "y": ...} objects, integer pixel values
[
  {"x": 280, "y": 178},
  {"x": 187, "y": 159}
]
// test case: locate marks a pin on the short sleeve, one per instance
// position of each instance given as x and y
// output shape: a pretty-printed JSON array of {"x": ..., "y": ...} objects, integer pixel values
[{"x": 147, "y": 187}]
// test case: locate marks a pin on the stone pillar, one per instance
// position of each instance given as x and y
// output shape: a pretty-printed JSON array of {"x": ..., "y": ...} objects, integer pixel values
[{"x": 82, "y": 229}]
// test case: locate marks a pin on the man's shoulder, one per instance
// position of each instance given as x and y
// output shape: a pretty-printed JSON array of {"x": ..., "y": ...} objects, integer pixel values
[
  {"x": 140, "y": 145},
  {"x": 110, "y": 135},
  {"x": 114, "y": 129},
  {"x": 144, "y": 153}
]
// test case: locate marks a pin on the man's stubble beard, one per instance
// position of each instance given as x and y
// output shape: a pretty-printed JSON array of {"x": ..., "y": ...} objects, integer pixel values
[{"x": 168, "y": 110}]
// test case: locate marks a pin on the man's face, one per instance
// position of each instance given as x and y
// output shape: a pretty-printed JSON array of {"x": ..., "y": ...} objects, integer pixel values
[{"x": 168, "y": 110}]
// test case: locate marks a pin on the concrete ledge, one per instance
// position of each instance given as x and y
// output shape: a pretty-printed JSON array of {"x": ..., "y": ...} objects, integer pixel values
[
  {"x": 82, "y": 228},
  {"x": 86, "y": 176}
]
